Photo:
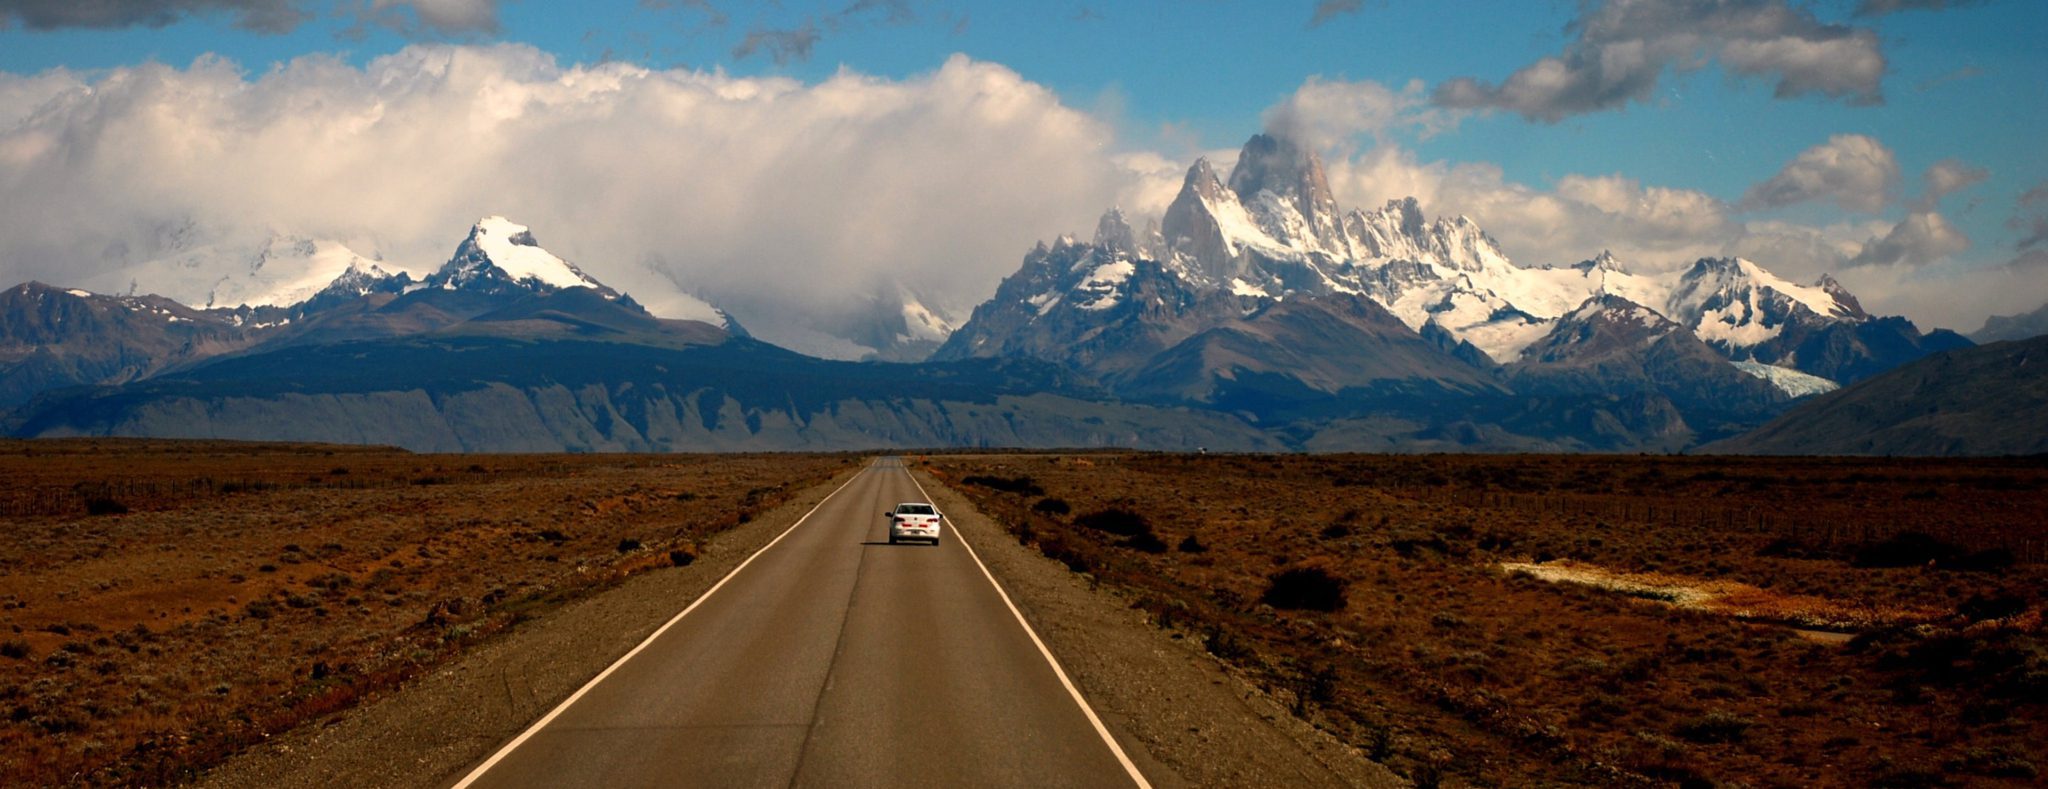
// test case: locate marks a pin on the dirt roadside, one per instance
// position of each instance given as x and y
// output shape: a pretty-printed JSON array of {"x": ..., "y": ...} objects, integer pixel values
[
  {"x": 1193, "y": 723},
  {"x": 430, "y": 729},
  {"x": 1186, "y": 711}
]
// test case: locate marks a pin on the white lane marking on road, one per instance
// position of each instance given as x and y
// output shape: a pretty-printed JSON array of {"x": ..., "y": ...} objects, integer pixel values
[
  {"x": 1101, "y": 730},
  {"x": 573, "y": 697}
]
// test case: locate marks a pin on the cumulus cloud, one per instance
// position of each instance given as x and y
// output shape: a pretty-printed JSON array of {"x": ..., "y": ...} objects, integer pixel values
[
  {"x": 263, "y": 16},
  {"x": 1923, "y": 237},
  {"x": 1325, "y": 113},
  {"x": 1853, "y": 171},
  {"x": 781, "y": 201},
  {"x": 1622, "y": 48},
  {"x": 21, "y": 96},
  {"x": 1945, "y": 178},
  {"x": 1652, "y": 228},
  {"x": 1949, "y": 295}
]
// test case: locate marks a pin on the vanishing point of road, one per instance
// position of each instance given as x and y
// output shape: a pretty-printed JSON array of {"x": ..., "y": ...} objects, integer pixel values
[{"x": 831, "y": 658}]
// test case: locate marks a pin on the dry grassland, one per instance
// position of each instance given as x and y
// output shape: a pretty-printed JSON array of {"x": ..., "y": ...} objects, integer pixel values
[
  {"x": 1589, "y": 620},
  {"x": 165, "y": 604}
]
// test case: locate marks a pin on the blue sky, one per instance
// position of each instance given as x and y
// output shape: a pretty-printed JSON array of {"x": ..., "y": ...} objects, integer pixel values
[{"x": 1713, "y": 120}]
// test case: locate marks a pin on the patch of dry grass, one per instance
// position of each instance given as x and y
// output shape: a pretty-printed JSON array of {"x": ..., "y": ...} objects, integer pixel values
[
  {"x": 1445, "y": 667},
  {"x": 241, "y": 590}
]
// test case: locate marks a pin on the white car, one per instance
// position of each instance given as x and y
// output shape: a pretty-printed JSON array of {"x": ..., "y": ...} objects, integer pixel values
[{"x": 914, "y": 520}]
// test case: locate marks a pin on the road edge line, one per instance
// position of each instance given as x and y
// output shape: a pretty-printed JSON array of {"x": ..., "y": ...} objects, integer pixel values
[
  {"x": 535, "y": 728},
  {"x": 1073, "y": 692}
]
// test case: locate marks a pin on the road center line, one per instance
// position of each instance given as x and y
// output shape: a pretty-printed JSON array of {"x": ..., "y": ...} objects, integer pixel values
[
  {"x": 477, "y": 773},
  {"x": 1101, "y": 730}
]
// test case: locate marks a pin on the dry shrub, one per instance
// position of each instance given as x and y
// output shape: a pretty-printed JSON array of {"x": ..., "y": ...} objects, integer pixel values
[{"x": 1307, "y": 588}]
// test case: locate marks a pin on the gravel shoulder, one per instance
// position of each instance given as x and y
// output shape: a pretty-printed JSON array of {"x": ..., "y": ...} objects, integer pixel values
[
  {"x": 436, "y": 726},
  {"x": 1193, "y": 722}
]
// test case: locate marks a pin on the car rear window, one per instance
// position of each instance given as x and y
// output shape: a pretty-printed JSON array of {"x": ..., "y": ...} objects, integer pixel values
[{"x": 914, "y": 509}]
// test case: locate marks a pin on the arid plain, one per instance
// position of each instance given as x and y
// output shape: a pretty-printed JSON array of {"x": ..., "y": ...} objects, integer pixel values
[
  {"x": 167, "y": 604},
  {"x": 1501, "y": 620},
  {"x": 1461, "y": 619}
]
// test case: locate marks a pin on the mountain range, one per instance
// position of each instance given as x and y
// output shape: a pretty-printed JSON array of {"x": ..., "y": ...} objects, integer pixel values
[
  {"x": 1973, "y": 401},
  {"x": 2026, "y": 325},
  {"x": 1255, "y": 314}
]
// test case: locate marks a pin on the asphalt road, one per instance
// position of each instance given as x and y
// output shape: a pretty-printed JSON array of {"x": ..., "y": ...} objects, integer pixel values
[{"x": 831, "y": 659}]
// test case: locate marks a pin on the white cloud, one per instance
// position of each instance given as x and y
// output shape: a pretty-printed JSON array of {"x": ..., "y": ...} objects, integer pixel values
[
  {"x": 1623, "y": 47},
  {"x": 1949, "y": 295},
  {"x": 1650, "y": 227},
  {"x": 1945, "y": 178},
  {"x": 1803, "y": 252},
  {"x": 1923, "y": 237},
  {"x": 775, "y": 199},
  {"x": 1325, "y": 113},
  {"x": 21, "y": 96},
  {"x": 1853, "y": 171}
]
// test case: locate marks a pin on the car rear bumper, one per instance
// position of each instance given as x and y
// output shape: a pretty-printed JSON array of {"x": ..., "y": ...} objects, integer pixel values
[{"x": 913, "y": 533}]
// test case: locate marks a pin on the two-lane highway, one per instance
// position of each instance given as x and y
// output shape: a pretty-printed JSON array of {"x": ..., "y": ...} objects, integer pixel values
[{"x": 831, "y": 658}]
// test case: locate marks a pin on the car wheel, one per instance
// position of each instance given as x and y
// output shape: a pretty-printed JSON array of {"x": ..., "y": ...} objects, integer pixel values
[{"x": 892, "y": 539}]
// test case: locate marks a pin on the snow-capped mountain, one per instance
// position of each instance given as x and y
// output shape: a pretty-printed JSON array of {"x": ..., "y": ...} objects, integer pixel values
[
  {"x": 1273, "y": 230},
  {"x": 283, "y": 271},
  {"x": 296, "y": 291},
  {"x": 500, "y": 255},
  {"x": 1150, "y": 331}
]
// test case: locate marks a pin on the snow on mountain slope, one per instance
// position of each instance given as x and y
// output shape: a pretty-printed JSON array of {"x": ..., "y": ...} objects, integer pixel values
[
  {"x": 1788, "y": 380},
  {"x": 283, "y": 271},
  {"x": 924, "y": 324},
  {"x": 1275, "y": 230},
  {"x": 1737, "y": 304},
  {"x": 500, "y": 252},
  {"x": 680, "y": 305}
]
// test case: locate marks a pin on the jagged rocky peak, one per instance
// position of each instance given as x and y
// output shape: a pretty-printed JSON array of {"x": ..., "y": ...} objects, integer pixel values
[
  {"x": 363, "y": 277},
  {"x": 1400, "y": 231},
  {"x": 1607, "y": 307},
  {"x": 1846, "y": 301},
  {"x": 1605, "y": 261},
  {"x": 1113, "y": 232},
  {"x": 1278, "y": 165},
  {"x": 1194, "y": 225},
  {"x": 1712, "y": 283},
  {"x": 499, "y": 254},
  {"x": 1202, "y": 180},
  {"x": 1403, "y": 215}
]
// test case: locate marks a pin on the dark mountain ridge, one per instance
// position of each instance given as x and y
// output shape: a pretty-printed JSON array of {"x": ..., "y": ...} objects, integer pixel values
[{"x": 1986, "y": 400}]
